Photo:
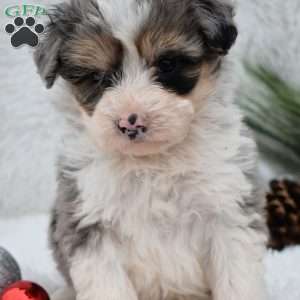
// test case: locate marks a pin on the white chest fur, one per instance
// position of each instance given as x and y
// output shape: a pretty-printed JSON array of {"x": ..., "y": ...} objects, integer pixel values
[{"x": 159, "y": 219}]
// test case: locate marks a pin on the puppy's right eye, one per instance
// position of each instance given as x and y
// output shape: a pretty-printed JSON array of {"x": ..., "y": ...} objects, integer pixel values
[
  {"x": 167, "y": 65},
  {"x": 97, "y": 76}
]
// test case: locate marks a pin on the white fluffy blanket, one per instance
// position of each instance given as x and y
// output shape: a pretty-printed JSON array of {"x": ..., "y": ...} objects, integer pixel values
[{"x": 30, "y": 130}]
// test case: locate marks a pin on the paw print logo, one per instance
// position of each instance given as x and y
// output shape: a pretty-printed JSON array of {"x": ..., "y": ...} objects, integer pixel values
[{"x": 24, "y": 32}]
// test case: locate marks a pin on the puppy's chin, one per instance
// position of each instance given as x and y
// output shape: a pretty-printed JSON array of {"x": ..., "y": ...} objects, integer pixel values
[
  {"x": 133, "y": 148},
  {"x": 168, "y": 119}
]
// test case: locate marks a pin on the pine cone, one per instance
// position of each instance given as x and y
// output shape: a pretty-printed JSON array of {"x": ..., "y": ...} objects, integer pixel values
[{"x": 283, "y": 214}]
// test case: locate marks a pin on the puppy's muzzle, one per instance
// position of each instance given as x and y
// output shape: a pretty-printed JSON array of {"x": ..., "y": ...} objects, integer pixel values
[{"x": 132, "y": 126}]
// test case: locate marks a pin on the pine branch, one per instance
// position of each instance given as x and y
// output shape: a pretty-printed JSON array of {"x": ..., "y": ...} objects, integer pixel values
[{"x": 272, "y": 110}]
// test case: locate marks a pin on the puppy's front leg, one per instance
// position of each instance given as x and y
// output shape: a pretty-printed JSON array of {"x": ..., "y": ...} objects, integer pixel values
[
  {"x": 235, "y": 268},
  {"x": 97, "y": 273}
]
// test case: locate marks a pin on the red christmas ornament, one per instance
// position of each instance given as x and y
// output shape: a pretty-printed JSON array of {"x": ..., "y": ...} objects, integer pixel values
[{"x": 24, "y": 290}]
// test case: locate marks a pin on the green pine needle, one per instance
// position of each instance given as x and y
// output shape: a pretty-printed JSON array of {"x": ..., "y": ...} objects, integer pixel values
[{"x": 273, "y": 112}]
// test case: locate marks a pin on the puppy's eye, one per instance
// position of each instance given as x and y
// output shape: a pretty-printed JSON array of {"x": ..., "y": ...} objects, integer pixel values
[
  {"x": 101, "y": 78},
  {"x": 97, "y": 76},
  {"x": 167, "y": 65}
]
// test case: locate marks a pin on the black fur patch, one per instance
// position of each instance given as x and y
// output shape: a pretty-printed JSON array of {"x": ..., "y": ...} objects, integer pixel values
[
  {"x": 216, "y": 24},
  {"x": 184, "y": 76}
]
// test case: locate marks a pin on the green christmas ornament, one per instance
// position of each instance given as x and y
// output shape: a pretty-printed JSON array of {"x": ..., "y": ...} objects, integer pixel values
[{"x": 9, "y": 269}]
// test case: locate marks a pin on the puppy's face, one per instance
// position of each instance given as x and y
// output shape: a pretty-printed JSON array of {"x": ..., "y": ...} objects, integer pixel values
[{"x": 138, "y": 69}]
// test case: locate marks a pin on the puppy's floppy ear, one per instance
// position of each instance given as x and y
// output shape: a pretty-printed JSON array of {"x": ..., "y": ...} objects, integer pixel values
[
  {"x": 46, "y": 57},
  {"x": 63, "y": 19},
  {"x": 216, "y": 24}
]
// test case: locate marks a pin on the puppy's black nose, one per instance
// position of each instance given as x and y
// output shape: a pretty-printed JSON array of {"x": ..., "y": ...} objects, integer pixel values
[
  {"x": 132, "y": 126},
  {"x": 132, "y": 119}
]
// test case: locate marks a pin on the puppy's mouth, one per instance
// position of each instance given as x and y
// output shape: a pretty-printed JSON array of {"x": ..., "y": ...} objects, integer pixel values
[{"x": 137, "y": 139}]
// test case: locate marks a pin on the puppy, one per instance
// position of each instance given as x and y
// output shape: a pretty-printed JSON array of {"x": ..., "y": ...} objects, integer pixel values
[{"x": 154, "y": 199}]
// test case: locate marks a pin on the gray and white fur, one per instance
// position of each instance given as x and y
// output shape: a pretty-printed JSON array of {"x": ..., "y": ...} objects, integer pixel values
[{"x": 155, "y": 197}]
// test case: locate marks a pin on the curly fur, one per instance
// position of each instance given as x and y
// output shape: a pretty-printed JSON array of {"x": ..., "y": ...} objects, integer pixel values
[{"x": 172, "y": 216}]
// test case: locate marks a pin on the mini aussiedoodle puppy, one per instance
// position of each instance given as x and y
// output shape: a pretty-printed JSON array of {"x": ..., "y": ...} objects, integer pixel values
[{"x": 154, "y": 196}]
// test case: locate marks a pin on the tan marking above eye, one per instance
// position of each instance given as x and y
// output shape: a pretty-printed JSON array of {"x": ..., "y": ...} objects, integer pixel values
[
  {"x": 96, "y": 51},
  {"x": 152, "y": 43}
]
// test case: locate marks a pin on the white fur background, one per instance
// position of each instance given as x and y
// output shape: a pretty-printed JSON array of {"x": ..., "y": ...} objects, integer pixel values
[{"x": 30, "y": 130}]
